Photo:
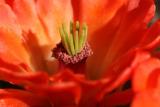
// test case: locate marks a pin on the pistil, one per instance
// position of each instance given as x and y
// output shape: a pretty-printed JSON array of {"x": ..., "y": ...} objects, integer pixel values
[{"x": 73, "y": 50}]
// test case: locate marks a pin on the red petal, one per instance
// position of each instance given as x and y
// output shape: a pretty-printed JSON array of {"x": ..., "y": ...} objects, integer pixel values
[
  {"x": 22, "y": 78},
  {"x": 12, "y": 102},
  {"x": 25, "y": 8},
  {"x": 11, "y": 68},
  {"x": 19, "y": 98},
  {"x": 118, "y": 74},
  {"x": 2, "y": 1},
  {"x": 118, "y": 98},
  {"x": 60, "y": 93},
  {"x": 118, "y": 36},
  {"x": 70, "y": 89},
  {"x": 26, "y": 12},
  {"x": 154, "y": 79},
  {"x": 147, "y": 99},
  {"x": 149, "y": 93},
  {"x": 41, "y": 27},
  {"x": 96, "y": 13},
  {"x": 125, "y": 39},
  {"x": 142, "y": 73},
  {"x": 8, "y": 19},
  {"x": 121, "y": 71},
  {"x": 52, "y": 14},
  {"x": 11, "y": 47},
  {"x": 152, "y": 33},
  {"x": 19, "y": 73}
]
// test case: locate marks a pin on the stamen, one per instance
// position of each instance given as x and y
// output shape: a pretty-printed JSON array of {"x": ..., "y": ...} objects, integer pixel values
[
  {"x": 77, "y": 26},
  {"x": 83, "y": 37},
  {"x": 71, "y": 27},
  {"x": 71, "y": 44},
  {"x": 60, "y": 53},
  {"x": 73, "y": 49},
  {"x": 64, "y": 41},
  {"x": 75, "y": 41},
  {"x": 77, "y": 36}
]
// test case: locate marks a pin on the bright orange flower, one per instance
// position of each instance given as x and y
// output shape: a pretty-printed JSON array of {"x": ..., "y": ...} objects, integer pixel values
[{"x": 118, "y": 34}]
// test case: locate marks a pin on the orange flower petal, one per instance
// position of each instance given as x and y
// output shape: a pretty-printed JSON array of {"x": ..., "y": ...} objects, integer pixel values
[
  {"x": 19, "y": 98},
  {"x": 154, "y": 80},
  {"x": 21, "y": 74},
  {"x": 135, "y": 24},
  {"x": 142, "y": 73},
  {"x": 113, "y": 39},
  {"x": 9, "y": 19},
  {"x": 52, "y": 14},
  {"x": 12, "y": 102},
  {"x": 23, "y": 9},
  {"x": 96, "y": 13},
  {"x": 41, "y": 28},
  {"x": 121, "y": 71},
  {"x": 26, "y": 13},
  {"x": 152, "y": 33},
  {"x": 147, "y": 99},
  {"x": 67, "y": 92},
  {"x": 148, "y": 95},
  {"x": 2, "y": 1},
  {"x": 12, "y": 48}
]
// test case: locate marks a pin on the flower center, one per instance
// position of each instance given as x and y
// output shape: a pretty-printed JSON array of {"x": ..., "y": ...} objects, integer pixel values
[
  {"x": 73, "y": 48},
  {"x": 74, "y": 42}
]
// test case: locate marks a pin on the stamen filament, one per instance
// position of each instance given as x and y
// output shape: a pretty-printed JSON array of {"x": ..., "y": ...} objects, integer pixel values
[
  {"x": 76, "y": 41},
  {"x": 71, "y": 27},
  {"x": 66, "y": 37},
  {"x": 64, "y": 40},
  {"x": 71, "y": 44},
  {"x": 83, "y": 37}
]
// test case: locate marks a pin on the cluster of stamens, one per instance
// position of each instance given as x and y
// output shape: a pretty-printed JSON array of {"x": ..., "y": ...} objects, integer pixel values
[
  {"x": 73, "y": 47},
  {"x": 74, "y": 41}
]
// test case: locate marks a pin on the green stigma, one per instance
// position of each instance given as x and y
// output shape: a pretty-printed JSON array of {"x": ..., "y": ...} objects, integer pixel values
[{"x": 74, "y": 41}]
